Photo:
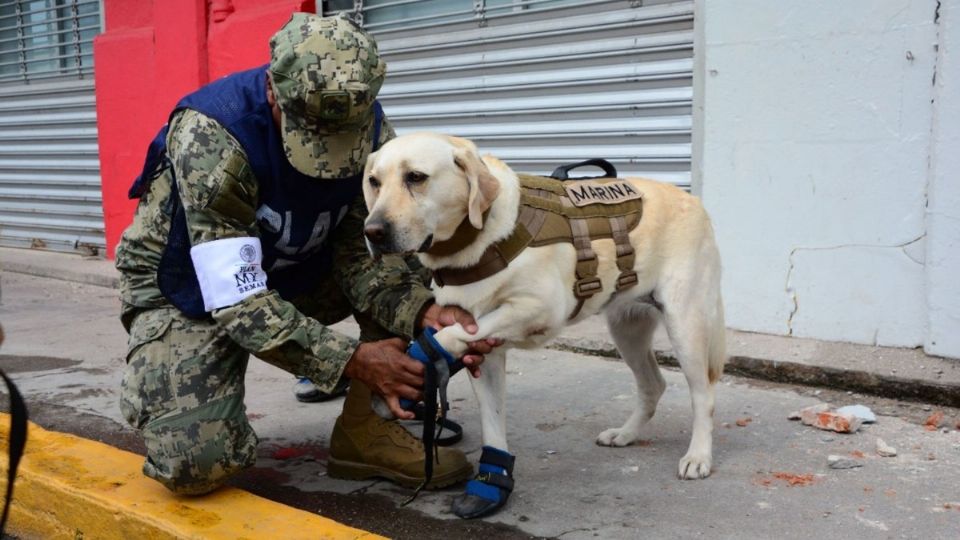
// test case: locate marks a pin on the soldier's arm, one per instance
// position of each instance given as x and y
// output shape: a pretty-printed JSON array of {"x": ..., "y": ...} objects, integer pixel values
[
  {"x": 219, "y": 195},
  {"x": 388, "y": 289}
]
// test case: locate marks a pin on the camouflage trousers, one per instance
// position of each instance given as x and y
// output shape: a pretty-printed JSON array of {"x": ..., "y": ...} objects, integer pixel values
[{"x": 183, "y": 390}]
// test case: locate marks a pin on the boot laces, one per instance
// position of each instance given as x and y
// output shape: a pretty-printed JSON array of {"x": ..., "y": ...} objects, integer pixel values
[{"x": 405, "y": 434}]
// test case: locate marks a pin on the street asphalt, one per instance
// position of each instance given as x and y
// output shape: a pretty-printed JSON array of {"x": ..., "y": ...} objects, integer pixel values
[{"x": 771, "y": 477}]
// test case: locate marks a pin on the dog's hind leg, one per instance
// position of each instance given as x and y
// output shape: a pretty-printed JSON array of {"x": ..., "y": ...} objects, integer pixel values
[
  {"x": 693, "y": 316},
  {"x": 632, "y": 330}
]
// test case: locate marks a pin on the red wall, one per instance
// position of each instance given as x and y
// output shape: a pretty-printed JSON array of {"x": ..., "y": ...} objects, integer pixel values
[{"x": 151, "y": 53}]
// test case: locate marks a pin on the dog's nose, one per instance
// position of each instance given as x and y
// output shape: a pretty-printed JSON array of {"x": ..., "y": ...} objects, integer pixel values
[{"x": 376, "y": 232}]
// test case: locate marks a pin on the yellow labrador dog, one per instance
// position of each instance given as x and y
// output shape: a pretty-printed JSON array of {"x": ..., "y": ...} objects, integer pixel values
[{"x": 420, "y": 188}]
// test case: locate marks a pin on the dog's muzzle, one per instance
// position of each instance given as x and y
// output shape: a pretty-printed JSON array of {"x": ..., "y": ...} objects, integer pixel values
[{"x": 377, "y": 232}]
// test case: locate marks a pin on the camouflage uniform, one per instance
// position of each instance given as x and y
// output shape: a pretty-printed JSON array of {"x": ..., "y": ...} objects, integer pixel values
[{"x": 183, "y": 385}]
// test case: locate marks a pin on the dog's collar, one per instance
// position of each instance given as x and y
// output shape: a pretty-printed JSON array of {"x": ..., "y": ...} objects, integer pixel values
[
  {"x": 494, "y": 259},
  {"x": 465, "y": 235}
]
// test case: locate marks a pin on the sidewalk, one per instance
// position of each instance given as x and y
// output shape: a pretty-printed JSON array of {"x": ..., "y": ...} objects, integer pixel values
[{"x": 881, "y": 371}]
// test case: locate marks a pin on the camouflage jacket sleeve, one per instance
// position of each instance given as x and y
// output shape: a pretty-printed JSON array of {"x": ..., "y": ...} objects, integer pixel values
[
  {"x": 388, "y": 290},
  {"x": 219, "y": 194}
]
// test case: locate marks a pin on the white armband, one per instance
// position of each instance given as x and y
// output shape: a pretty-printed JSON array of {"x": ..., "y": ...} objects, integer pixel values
[{"x": 228, "y": 270}]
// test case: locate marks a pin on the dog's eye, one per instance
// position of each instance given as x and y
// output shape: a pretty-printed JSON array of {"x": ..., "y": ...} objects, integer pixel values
[
  {"x": 374, "y": 183},
  {"x": 414, "y": 177}
]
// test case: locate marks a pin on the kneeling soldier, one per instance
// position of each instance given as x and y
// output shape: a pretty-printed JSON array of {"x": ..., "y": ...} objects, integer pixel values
[{"x": 248, "y": 240}]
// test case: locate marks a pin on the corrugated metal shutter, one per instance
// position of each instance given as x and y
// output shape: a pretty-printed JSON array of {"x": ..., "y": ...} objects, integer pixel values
[
  {"x": 50, "y": 194},
  {"x": 540, "y": 83}
]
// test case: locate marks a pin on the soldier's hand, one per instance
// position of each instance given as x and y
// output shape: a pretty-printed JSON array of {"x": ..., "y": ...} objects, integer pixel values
[
  {"x": 437, "y": 317},
  {"x": 385, "y": 367}
]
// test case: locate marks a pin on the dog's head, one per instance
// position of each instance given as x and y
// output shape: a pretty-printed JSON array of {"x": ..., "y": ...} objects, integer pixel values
[{"x": 420, "y": 187}]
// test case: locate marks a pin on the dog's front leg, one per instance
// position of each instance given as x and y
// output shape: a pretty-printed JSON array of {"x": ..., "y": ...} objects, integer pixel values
[
  {"x": 491, "y": 488},
  {"x": 507, "y": 322},
  {"x": 490, "y": 389}
]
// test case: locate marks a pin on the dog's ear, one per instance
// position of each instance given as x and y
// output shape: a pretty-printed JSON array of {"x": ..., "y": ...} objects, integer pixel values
[
  {"x": 364, "y": 180},
  {"x": 484, "y": 187}
]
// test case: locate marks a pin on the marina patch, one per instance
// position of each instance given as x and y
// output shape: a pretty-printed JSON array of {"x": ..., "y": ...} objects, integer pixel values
[{"x": 586, "y": 192}]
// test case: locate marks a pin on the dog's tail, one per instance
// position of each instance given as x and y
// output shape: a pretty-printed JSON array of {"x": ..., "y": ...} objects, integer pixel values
[{"x": 717, "y": 347}]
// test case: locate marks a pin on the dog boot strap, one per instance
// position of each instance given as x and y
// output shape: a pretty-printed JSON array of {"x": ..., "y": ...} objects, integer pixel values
[
  {"x": 497, "y": 457},
  {"x": 497, "y": 479},
  {"x": 490, "y": 488}
]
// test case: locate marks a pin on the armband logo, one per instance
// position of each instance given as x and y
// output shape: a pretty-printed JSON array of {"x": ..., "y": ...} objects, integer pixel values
[
  {"x": 249, "y": 276},
  {"x": 248, "y": 253}
]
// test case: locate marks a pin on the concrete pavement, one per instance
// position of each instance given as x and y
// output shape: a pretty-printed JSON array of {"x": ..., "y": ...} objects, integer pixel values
[{"x": 64, "y": 348}]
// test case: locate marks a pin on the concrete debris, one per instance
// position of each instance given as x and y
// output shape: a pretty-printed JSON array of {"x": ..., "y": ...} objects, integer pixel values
[
  {"x": 860, "y": 411},
  {"x": 842, "y": 462},
  {"x": 819, "y": 416},
  {"x": 885, "y": 450},
  {"x": 933, "y": 422},
  {"x": 811, "y": 410}
]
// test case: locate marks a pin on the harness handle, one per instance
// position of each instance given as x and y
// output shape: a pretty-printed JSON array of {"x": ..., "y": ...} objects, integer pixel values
[{"x": 562, "y": 172}]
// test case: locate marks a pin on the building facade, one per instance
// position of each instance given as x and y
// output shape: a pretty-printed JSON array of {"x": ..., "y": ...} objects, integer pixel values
[
  {"x": 820, "y": 139},
  {"x": 49, "y": 170}
]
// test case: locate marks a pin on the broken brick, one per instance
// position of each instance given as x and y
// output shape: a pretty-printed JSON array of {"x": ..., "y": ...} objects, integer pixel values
[
  {"x": 831, "y": 421},
  {"x": 933, "y": 421}
]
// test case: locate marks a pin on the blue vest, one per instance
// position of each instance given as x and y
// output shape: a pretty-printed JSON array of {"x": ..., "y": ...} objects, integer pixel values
[{"x": 295, "y": 212}]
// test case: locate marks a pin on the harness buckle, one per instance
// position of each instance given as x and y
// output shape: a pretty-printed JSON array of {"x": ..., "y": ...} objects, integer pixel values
[
  {"x": 587, "y": 287},
  {"x": 626, "y": 280}
]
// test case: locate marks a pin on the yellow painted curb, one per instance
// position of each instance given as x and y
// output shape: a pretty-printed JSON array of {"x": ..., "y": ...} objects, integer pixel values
[{"x": 70, "y": 487}]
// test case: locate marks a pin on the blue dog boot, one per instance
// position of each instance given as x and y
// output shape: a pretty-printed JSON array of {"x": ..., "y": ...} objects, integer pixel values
[
  {"x": 490, "y": 488},
  {"x": 418, "y": 350}
]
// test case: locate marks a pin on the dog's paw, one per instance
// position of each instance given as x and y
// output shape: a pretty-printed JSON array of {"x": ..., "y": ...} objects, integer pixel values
[
  {"x": 694, "y": 466},
  {"x": 616, "y": 437}
]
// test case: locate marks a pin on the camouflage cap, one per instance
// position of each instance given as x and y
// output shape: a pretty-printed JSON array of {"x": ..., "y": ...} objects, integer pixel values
[{"x": 326, "y": 72}]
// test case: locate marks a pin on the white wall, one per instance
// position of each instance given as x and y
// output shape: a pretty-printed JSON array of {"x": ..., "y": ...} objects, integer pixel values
[
  {"x": 943, "y": 209},
  {"x": 813, "y": 156}
]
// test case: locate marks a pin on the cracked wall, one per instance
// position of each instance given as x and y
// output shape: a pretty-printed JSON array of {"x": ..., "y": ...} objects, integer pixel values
[{"x": 814, "y": 162}]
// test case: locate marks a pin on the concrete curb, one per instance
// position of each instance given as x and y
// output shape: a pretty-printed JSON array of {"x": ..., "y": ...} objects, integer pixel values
[
  {"x": 890, "y": 386},
  {"x": 87, "y": 278},
  {"x": 63, "y": 266},
  {"x": 69, "y": 487}
]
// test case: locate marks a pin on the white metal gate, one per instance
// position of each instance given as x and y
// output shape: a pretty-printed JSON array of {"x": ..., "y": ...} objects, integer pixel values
[
  {"x": 540, "y": 83},
  {"x": 49, "y": 168}
]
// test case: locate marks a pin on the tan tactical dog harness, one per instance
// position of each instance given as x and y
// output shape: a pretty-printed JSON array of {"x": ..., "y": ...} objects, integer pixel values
[{"x": 553, "y": 211}]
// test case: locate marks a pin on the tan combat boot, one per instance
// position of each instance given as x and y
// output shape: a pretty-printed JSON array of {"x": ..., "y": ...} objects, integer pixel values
[{"x": 363, "y": 445}]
